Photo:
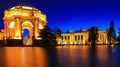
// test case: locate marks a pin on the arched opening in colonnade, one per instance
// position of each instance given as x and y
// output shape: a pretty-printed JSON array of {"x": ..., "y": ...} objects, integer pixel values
[{"x": 27, "y": 32}]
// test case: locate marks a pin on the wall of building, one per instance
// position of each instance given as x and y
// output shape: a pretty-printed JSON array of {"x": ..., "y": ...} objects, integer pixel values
[{"x": 81, "y": 38}]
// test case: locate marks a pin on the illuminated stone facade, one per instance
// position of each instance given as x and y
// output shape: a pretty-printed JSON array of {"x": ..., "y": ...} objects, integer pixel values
[
  {"x": 2, "y": 35},
  {"x": 81, "y": 38},
  {"x": 21, "y": 17}
]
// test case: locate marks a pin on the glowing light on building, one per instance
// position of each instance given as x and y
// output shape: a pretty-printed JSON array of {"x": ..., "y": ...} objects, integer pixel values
[
  {"x": 82, "y": 39},
  {"x": 18, "y": 37},
  {"x": 12, "y": 8},
  {"x": 42, "y": 18},
  {"x": 40, "y": 26},
  {"x": 27, "y": 22},
  {"x": 12, "y": 24},
  {"x": 24, "y": 7},
  {"x": 25, "y": 28},
  {"x": 23, "y": 16}
]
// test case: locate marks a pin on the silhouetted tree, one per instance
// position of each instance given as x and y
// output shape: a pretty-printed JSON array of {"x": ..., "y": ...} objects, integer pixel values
[
  {"x": 77, "y": 31},
  {"x": 58, "y": 32},
  {"x": 48, "y": 38},
  {"x": 118, "y": 38},
  {"x": 93, "y": 35},
  {"x": 80, "y": 30},
  {"x": 67, "y": 31},
  {"x": 111, "y": 35},
  {"x": 119, "y": 32}
]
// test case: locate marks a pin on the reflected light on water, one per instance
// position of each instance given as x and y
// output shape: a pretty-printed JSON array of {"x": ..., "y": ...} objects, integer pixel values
[
  {"x": 60, "y": 56},
  {"x": 26, "y": 57}
]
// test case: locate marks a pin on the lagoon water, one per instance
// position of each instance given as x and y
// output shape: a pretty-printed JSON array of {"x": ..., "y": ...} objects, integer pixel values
[{"x": 60, "y": 56}]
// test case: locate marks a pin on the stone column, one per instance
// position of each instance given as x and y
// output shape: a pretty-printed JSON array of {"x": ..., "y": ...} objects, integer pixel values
[
  {"x": 17, "y": 28},
  {"x": 7, "y": 29},
  {"x": 5, "y": 32},
  {"x": 35, "y": 28}
]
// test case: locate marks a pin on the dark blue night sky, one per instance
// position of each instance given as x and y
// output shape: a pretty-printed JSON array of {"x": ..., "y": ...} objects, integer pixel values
[{"x": 73, "y": 14}]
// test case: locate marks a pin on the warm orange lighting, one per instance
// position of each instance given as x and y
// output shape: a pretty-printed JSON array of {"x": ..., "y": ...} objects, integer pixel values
[
  {"x": 40, "y": 26},
  {"x": 12, "y": 25},
  {"x": 17, "y": 38},
  {"x": 25, "y": 14},
  {"x": 27, "y": 22},
  {"x": 81, "y": 38},
  {"x": 25, "y": 7},
  {"x": 20, "y": 17},
  {"x": 26, "y": 57}
]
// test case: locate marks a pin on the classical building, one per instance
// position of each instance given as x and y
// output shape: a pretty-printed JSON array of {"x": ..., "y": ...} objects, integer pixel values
[
  {"x": 26, "y": 17},
  {"x": 81, "y": 38},
  {"x": 21, "y": 17}
]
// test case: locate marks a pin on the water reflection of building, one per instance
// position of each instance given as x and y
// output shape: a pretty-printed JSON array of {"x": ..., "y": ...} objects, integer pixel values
[
  {"x": 81, "y": 37},
  {"x": 21, "y": 17}
]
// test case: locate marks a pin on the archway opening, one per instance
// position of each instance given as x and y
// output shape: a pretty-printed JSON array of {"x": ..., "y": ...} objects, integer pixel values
[
  {"x": 26, "y": 35},
  {"x": 26, "y": 32}
]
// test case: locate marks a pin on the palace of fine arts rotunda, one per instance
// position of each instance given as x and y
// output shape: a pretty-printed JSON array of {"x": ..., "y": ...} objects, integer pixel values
[{"x": 23, "y": 17}]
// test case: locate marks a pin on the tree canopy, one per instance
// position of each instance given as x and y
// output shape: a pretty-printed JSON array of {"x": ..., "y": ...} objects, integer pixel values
[
  {"x": 93, "y": 35},
  {"x": 58, "y": 32},
  {"x": 111, "y": 33},
  {"x": 118, "y": 38},
  {"x": 48, "y": 38}
]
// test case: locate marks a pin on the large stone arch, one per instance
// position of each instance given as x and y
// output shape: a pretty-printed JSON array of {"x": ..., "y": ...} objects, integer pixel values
[
  {"x": 28, "y": 25},
  {"x": 19, "y": 17}
]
